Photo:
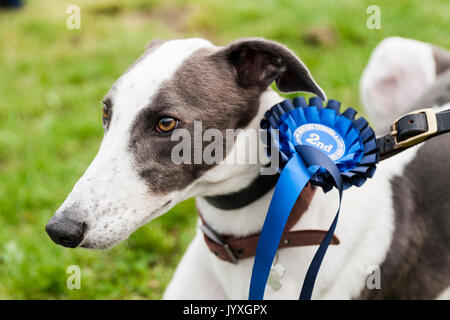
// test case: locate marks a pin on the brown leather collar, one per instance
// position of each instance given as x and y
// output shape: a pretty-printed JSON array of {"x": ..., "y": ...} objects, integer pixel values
[{"x": 231, "y": 249}]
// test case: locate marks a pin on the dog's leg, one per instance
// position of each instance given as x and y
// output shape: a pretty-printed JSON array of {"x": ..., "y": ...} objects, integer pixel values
[{"x": 194, "y": 278}]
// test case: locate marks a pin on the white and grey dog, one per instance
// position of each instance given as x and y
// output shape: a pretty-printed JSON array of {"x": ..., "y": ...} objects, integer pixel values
[{"x": 398, "y": 221}]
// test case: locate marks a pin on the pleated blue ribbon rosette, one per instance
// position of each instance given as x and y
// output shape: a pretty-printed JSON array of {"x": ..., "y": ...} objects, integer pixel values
[{"x": 315, "y": 144}]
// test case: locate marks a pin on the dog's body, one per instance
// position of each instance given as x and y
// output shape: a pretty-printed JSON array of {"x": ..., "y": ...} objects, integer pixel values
[
  {"x": 397, "y": 221},
  {"x": 389, "y": 223}
]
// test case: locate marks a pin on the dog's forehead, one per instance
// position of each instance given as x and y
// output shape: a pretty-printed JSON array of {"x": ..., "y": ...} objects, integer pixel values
[{"x": 134, "y": 90}]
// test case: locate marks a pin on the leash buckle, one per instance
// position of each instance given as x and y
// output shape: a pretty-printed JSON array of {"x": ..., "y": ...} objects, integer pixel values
[
  {"x": 431, "y": 123},
  {"x": 214, "y": 236}
]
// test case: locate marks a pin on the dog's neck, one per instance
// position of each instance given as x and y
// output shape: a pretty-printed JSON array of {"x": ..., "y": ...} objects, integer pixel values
[{"x": 250, "y": 218}]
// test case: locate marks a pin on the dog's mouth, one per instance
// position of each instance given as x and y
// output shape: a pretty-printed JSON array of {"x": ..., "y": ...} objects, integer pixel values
[
  {"x": 107, "y": 239},
  {"x": 103, "y": 241},
  {"x": 97, "y": 245}
]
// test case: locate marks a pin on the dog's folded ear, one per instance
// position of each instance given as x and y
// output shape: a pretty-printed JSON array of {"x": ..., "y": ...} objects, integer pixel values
[
  {"x": 154, "y": 43},
  {"x": 442, "y": 58},
  {"x": 258, "y": 62}
]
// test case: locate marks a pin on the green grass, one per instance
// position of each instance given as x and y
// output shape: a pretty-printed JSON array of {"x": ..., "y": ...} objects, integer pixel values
[{"x": 52, "y": 80}]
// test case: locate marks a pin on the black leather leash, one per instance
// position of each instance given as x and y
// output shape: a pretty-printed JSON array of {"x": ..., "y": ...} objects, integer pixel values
[{"x": 407, "y": 131}]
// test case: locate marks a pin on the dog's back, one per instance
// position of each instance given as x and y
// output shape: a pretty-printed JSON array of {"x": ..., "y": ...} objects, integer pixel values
[{"x": 417, "y": 265}]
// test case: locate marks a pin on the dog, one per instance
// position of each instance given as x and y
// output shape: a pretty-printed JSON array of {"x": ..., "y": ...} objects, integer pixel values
[{"x": 397, "y": 222}]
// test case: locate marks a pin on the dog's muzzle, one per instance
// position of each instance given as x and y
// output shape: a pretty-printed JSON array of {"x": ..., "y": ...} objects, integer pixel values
[{"x": 65, "y": 232}]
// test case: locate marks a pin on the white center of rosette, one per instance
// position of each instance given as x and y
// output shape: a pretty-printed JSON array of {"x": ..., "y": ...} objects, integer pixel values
[{"x": 321, "y": 137}]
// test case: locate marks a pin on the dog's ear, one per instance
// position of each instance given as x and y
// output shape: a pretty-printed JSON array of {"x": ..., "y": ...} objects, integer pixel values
[
  {"x": 442, "y": 58},
  {"x": 154, "y": 44},
  {"x": 399, "y": 71},
  {"x": 258, "y": 62}
]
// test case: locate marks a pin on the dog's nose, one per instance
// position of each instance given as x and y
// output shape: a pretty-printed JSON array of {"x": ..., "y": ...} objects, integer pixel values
[{"x": 65, "y": 232}]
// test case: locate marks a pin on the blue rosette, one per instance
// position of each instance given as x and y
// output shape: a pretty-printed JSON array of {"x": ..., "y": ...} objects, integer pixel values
[
  {"x": 351, "y": 143},
  {"x": 314, "y": 144}
]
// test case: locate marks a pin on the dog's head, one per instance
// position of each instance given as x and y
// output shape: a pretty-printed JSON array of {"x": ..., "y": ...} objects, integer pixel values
[{"x": 133, "y": 179}]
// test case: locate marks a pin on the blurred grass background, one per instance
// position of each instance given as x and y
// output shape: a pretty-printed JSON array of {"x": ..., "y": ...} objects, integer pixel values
[{"x": 52, "y": 80}]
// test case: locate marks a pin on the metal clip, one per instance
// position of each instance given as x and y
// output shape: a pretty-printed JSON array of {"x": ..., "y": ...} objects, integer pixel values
[
  {"x": 432, "y": 129},
  {"x": 214, "y": 236}
]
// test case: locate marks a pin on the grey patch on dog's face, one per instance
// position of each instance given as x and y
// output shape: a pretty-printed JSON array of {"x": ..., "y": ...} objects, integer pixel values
[
  {"x": 221, "y": 88},
  {"x": 418, "y": 263},
  {"x": 202, "y": 89}
]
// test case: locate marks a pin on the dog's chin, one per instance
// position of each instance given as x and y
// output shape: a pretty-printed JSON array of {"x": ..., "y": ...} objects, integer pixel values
[
  {"x": 98, "y": 245},
  {"x": 104, "y": 239}
]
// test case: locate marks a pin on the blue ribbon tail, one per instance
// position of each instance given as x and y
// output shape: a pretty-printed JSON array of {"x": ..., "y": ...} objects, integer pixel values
[
  {"x": 345, "y": 156},
  {"x": 293, "y": 179},
  {"x": 313, "y": 156}
]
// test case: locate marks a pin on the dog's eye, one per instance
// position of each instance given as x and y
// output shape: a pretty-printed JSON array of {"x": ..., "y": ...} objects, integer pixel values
[
  {"x": 105, "y": 113},
  {"x": 166, "y": 124}
]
